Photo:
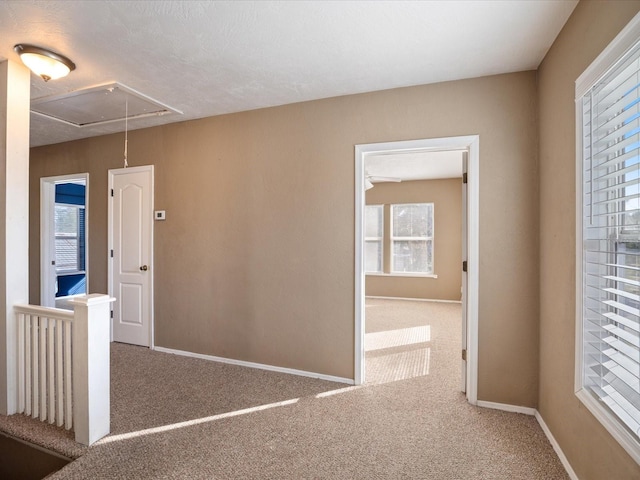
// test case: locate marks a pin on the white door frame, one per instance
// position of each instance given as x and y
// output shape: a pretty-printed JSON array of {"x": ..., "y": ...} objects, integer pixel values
[
  {"x": 470, "y": 143},
  {"x": 116, "y": 171},
  {"x": 47, "y": 233}
]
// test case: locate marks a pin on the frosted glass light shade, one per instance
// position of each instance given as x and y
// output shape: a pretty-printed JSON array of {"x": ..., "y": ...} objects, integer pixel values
[{"x": 46, "y": 64}]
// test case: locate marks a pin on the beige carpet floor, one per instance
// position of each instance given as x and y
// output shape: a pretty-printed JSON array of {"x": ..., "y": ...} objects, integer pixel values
[{"x": 182, "y": 418}]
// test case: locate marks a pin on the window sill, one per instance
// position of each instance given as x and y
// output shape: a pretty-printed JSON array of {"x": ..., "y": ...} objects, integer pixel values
[
  {"x": 65, "y": 273},
  {"x": 611, "y": 424},
  {"x": 397, "y": 274}
]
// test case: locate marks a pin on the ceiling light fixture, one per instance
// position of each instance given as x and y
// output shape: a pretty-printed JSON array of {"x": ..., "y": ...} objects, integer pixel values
[{"x": 45, "y": 63}]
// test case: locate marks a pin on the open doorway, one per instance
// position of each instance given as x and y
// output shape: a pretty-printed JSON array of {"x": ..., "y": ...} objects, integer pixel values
[
  {"x": 369, "y": 158},
  {"x": 64, "y": 271}
]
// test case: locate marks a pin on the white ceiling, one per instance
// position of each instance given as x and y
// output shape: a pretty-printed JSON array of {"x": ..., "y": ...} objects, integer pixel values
[
  {"x": 407, "y": 166},
  {"x": 207, "y": 58}
]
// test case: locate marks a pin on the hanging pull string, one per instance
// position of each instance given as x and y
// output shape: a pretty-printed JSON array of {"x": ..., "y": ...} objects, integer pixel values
[{"x": 126, "y": 131}]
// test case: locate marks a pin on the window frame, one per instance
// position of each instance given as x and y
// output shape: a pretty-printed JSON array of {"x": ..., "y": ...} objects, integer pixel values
[
  {"x": 379, "y": 240},
  {"x": 627, "y": 39},
  {"x": 394, "y": 239}
]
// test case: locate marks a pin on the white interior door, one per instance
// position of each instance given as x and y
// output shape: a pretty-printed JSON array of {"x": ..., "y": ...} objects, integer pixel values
[
  {"x": 465, "y": 279},
  {"x": 131, "y": 254}
]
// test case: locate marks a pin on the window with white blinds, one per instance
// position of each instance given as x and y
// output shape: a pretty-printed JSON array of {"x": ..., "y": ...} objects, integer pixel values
[{"x": 610, "y": 296}]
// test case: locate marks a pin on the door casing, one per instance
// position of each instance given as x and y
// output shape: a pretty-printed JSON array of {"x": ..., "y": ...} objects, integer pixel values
[
  {"x": 470, "y": 144},
  {"x": 47, "y": 233}
]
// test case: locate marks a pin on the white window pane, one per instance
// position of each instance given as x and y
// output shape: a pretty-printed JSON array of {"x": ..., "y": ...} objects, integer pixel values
[
  {"x": 413, "y": 220},
  {"x": 414, "y": 256},
  {"x": 373, "y": 256},
  {"x": 373, "y": 221},
  {"x": 66, "y": 220}
]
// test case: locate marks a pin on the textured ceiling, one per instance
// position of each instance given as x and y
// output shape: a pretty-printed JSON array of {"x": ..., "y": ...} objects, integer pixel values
[
  {"x": 420, "y": 165},
  {"x": 208, "y": 58}
]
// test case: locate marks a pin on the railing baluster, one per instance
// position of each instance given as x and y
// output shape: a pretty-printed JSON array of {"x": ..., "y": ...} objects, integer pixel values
[
  {"x": 51, "y": 373},
  {"x": 28, "y": 369},
  {"x": 68, "y": 392},
  {"x": 21, "y": 372},
  {"x": 44, "y": 324},
  {"x": 34, "y": 364},
  {"x": 60, "y": 393}
]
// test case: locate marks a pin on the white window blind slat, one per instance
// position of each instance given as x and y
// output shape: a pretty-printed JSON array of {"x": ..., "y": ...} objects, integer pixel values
[
  {"x": 617, "y": 265},
  {"x": 623, "y": 307},
  {"x": 622, "y": 347},
  {"x": 634, "y": 325},
  {"x": 603, "y": 174},
  {"x": 624, "y": 409},
  {"x": 623, "y": 334},
  {"x": 622, "y": 293},
  {"x": 627, "y": 281},
  {"x": 622, "y": 374},
  {"x": 625, "y": 362},
  {"x": 616, "y": 188}
]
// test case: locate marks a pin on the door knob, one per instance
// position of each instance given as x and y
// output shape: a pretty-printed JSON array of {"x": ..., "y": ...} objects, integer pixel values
[{"x": 144, "y": 268}]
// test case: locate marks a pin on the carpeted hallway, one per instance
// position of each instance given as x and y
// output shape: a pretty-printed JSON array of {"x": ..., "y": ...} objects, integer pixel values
[{"x": 176, "y": 418}]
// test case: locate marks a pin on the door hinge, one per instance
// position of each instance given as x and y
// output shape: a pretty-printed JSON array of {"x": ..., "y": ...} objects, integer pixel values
[
  {"x": 464, "y": 266},
  {"x": 111, "y": 313},
  {"x": 464, "y": 177},
  {"x": 464, "y": 353},
  {"x": 112, "y": 190},
  {"x": 111, "y": 253}
]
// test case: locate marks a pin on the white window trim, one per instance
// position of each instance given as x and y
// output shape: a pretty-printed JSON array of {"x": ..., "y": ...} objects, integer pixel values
[
  {"x": 411, "y": 239},
  {"x": 626, "y": 39}
]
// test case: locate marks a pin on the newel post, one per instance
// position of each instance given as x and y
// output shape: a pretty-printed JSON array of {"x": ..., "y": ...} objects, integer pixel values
[{"x": 91, "y": 372}]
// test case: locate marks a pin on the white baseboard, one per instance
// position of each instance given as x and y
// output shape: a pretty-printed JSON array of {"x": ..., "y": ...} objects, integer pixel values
[
  {"x": 507, "y": 407},
  {"x": 373, "y": 297},
  {"x": 556, "y": 447},
  {"x": 291, "y": 371},
  {"x": 545, "y": 429}
]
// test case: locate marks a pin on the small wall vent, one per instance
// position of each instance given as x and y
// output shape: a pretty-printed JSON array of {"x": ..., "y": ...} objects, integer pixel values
[{"x": 107, "y": 103}]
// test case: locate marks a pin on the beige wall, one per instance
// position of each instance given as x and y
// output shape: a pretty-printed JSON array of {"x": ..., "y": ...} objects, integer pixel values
[
  {"x": 256, "y": 258},
  {"x": 589, "y": 448},
  {"x": 446, "y": 196}
]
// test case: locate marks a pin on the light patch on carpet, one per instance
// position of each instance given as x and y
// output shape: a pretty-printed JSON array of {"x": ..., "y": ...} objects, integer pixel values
[
  {"x": 397, "y": 338},
  {"x": 197, "y": 421},
  {"x": 398, "y": 366},
  {"x": 330, "y": 393}
]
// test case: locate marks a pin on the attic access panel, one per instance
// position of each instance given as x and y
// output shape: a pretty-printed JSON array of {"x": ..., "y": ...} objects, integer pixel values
[{"x": 107, "y": 103}]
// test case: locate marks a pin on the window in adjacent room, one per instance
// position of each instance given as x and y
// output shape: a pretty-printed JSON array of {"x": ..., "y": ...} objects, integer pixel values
[
  {"x": 412, "y": 238},
  {"x": 69, "y": 238},
  {"x": 374, "y": 224},
  {"x": 608, "y": 353}
]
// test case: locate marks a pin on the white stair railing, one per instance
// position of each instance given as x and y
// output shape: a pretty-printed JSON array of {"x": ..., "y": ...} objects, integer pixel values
[
  {"x": 44, "y": 364},
  {"x": 63, "y": 365}
]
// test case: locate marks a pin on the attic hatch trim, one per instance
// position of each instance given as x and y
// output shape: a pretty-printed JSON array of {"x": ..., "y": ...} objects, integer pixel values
[{"x": 52, "y": 106}]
